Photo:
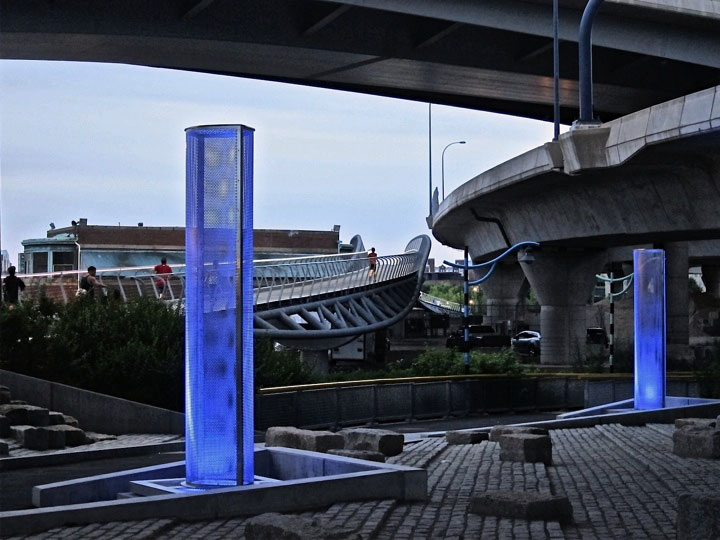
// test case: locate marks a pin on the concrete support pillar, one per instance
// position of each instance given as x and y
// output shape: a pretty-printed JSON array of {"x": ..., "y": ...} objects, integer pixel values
[
  {"x": 317, "y": 360},
  {"x": 616, "y": 268},
  {"x": 711, "y": 279},
  {"x": 676, "y": 290},
  {"x": 502, "y": 293},
  {"x": 563, "y": 282}
]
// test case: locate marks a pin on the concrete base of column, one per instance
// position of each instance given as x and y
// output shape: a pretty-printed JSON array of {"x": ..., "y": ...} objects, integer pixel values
[
  {"x": 563, "y": 330},
  {"x": 676, "y": 287},
  {"x": 711, "y": 279},
  {"x": 502, "y": 293},
  {"x": 563, "y": 282}
]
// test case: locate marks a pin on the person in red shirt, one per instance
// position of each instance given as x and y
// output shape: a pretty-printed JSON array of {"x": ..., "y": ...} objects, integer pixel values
[
  {"x": 161, "y": 269},
  {"x": 372, "y": 259}
]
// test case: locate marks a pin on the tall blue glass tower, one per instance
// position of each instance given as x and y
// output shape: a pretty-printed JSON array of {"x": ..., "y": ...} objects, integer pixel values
[
  {"x": 649, "y": 268},
  {"x": 219, "y": 306}
]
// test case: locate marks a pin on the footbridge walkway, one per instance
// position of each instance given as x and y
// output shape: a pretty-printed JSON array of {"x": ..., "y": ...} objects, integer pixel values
[{"x": 303, "y": 298}]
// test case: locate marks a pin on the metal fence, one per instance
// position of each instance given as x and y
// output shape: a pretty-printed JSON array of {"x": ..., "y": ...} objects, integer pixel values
[{"x": 379, "y": 403}]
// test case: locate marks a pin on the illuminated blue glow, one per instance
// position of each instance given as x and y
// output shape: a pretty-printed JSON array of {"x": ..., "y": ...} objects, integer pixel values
[
  {"x": 218, "y": 337},
  {"x": 649, "y": 269}
]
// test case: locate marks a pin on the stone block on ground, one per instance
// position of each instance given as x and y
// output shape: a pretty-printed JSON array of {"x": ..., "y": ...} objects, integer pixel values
[
  {"x": 73, "y": 436},
  {"x": 98, "y": 437},
  {"x": 697, "y": 443},
  {"x": 384, "y": 441},
  {"x": 465, "y": 437},
  {"x": 526, "y": 447},
  {"x": 695, "y": 423},
  {"x": 698, "y": 516},
  {"x": 70, "y": 421},
  {"x": 4, "y": 426},
  {"x": 55, "y": 418},
  {"x": 499, "y": 431},
  {"x": 56, "y": 437},
  {"x": 303, "y": 439},
  {"x": 4, "y": 395},
  {"x": 523, "y": 505},
  {"x": 273, "y": 526},
  {"x": 25, "y": 415},
  {"x": 31, "y": 437},
  {"x": 4, "y": 449},
  {"x": 367, "y": 455}
]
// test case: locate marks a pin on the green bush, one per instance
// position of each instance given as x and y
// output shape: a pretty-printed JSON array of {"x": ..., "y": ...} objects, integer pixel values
[
  {"x": 501, "y": 362},
  {"x": 134, "y": 350},
  {"x": 279, "y": 368},
  {"x": 707, "y": 370},
  {"x": 439, "y": 362}
]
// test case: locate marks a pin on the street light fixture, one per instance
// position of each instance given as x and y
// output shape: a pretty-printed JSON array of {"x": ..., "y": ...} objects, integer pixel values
[{"x": 443, "y": 165}]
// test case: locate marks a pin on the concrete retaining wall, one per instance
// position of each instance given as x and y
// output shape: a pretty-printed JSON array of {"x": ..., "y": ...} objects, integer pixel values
[
  {"x": 339, "y": 406},
  {"x": 373, "y": 403},
  {"x": 96, "y": 412}
]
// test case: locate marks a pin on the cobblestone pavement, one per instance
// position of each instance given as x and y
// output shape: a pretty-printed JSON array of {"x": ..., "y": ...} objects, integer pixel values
[
  {"x": 623, "y": 483},
  {"x": 121, "y": 441}
]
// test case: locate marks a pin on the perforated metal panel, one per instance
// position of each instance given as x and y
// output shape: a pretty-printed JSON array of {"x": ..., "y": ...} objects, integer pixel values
[
  {"x": 650, "y": 330},
  {"x": 219, "y": 346}
]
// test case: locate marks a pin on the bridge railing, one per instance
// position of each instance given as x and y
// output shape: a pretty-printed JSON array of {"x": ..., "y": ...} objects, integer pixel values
[
  {"x": 441, "y": 302},
  {"x": 276, "y": 280},
  {"x": 288, "y": 281}
]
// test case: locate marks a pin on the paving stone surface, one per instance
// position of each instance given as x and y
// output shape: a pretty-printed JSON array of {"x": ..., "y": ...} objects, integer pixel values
[{"x": 622, "y": 482}]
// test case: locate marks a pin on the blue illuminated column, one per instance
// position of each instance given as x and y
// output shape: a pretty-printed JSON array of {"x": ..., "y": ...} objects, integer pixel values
[
  {"x": 219, "y": 306},
  {"x": 649, "y": 268}
]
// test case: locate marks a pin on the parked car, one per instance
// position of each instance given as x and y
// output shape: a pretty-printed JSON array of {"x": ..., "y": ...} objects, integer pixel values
[
  {"x": 526, "y": 343},
  {"x": 480, "y": 336},
  {"x": 597, "y": 336}
]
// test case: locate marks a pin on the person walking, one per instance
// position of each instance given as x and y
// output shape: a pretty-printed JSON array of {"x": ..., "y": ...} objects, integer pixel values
[
  {"x": 372, "y": 259},
  {"x": 12, "y": 285},
  {"x": 162, "y": 282},
  {"x": 89, "y": 283}
]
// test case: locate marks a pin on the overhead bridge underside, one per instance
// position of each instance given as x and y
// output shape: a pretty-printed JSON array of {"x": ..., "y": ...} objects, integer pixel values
[{"x": 337, "y": 313}]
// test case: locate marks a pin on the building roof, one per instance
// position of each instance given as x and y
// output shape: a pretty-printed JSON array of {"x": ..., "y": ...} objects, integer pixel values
[{"x": 273, "y": 241}]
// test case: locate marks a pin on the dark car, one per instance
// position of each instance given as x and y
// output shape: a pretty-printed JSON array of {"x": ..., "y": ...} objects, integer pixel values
[
  {"x": 597, "y": 336},
  {"x": 480, "y": 336},
  {"x": 527, "y": 343}
]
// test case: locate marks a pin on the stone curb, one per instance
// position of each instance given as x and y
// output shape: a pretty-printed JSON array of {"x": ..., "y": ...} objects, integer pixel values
[{"x": 65, "y": 458}]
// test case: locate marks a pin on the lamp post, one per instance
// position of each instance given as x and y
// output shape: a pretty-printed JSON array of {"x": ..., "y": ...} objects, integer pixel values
[{"x": 443, "y": 165}]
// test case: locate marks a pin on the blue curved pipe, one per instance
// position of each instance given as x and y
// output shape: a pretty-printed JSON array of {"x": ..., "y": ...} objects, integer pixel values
[
  {"x": 496, "y": 259},
  {"x": 585, "y": 60}
]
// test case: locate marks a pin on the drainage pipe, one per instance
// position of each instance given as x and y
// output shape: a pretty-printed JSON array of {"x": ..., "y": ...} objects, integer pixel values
[{"x": 585, "y": 60}]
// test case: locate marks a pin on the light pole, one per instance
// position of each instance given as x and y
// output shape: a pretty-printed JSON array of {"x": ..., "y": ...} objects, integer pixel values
[{"x": 443, "y": 165}]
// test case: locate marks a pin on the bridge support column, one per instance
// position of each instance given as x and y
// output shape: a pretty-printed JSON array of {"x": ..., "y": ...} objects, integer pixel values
[
  {"x": 676, "y": 286},
  {"x": 711, "y": 279},
  {"x": 563, "y": 282},
  {"x": 502, "y": 293}
]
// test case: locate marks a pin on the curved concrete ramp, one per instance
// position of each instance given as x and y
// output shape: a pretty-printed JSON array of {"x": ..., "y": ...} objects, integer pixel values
[{"x": 650, "y": 176}]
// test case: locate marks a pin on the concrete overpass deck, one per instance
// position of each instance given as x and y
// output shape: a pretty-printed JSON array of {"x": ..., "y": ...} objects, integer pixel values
[
  {"x": 647, "y": 177},
  {"x": 493, "y": 55}
]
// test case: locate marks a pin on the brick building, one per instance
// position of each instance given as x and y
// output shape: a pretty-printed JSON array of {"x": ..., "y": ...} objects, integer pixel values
[{"x": 108, "y": 246}]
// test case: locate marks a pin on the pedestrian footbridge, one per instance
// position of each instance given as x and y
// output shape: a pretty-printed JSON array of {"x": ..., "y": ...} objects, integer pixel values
[{"x": 329, "y": 298}]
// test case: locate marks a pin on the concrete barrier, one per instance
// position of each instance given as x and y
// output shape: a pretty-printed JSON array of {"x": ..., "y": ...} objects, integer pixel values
[
  {"x": 96, "y": 412},
  {"x": 370, "y": 403}
]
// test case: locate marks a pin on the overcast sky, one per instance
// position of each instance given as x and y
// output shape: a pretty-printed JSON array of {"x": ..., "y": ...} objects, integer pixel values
[{"x": 106, "y": 142}]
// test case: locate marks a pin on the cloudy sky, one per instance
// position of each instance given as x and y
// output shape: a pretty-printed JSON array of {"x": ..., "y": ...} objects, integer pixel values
[{"x": 106, "y": 142}]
